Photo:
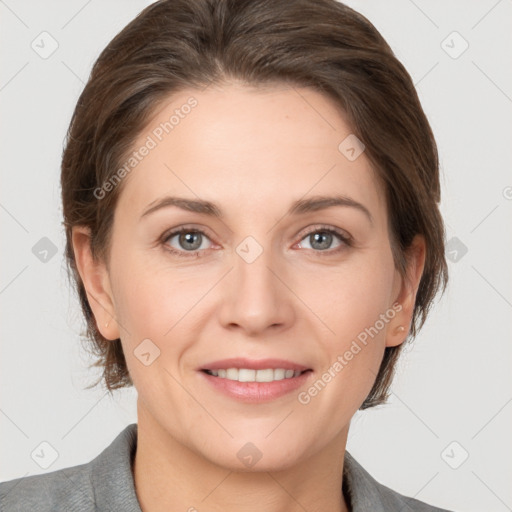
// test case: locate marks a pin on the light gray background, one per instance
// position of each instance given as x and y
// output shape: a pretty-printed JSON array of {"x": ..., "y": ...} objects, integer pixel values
[{"x": 453, "y": 384}]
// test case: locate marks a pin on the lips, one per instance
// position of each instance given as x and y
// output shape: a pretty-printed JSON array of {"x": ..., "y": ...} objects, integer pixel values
[
  {"x": 255, "y": 380},
  {"x": 262, "y": 370}
]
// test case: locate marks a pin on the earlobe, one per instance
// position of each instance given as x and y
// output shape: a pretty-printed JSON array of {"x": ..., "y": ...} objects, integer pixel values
[
  {"x": 396, "y": 336},
  {"x": 400, "y": 326},
  {"x": 95, "y": 278}
]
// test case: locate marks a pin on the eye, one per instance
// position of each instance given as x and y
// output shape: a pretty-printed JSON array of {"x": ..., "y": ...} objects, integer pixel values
[
  {"x": 321, "y": 238},
  {"x": 189, "y": 241}
]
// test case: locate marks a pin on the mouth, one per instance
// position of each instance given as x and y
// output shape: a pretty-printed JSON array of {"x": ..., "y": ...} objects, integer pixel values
[
  {"x": 252, "y": 375},
  {"x": 255, "y": 381}
]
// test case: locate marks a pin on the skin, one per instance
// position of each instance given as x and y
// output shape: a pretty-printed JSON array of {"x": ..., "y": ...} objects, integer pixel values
[{"x": 252, "y": 152}]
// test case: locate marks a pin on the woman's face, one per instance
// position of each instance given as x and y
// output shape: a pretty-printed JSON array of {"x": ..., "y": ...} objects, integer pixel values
[{"x": 267, "y": 286}]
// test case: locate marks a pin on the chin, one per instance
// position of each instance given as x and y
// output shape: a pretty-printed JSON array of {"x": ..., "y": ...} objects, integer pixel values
[{"x": 244, "y": 456}]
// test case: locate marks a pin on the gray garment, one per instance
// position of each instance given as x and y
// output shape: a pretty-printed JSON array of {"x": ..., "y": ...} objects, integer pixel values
[{"x": 106, "y": 484}]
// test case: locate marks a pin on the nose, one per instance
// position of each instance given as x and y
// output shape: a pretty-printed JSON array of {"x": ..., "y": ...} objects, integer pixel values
[{"x": 256, "y": 296}]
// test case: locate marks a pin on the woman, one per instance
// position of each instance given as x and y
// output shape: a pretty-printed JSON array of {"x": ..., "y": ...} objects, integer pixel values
[{"x": 285, "y": 143}]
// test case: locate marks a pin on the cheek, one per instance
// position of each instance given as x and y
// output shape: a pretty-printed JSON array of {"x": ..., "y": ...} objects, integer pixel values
[
  {"x": 351, "y": 298},
  {"x": 147, "y": 296},
  {"x": 151, "y": 305},
  {"x": 355, "y": 305},
  {"x": 159, "y": 304}
]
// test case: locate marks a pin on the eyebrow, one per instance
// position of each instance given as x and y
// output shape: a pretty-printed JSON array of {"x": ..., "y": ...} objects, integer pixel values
[{"x": 298, "y": 207}]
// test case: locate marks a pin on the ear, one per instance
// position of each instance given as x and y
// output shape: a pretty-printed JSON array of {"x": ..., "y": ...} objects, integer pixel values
[
  {"x": 407, "y": 287},
  {"x": 96, "y": 281}
]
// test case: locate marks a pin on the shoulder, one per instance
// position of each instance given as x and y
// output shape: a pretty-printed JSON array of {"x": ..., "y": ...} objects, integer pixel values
[
  {"x": 366, "y": 493},
  {"x": 65, "y": 489},
  {"x": 104, "y": 483}
]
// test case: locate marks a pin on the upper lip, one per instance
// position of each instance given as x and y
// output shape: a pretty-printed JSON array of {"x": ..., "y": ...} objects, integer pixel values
[{"x": 253, "y": 364}]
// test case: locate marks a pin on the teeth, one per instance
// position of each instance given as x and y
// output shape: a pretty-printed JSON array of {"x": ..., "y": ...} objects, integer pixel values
[
  {"x": 279, "y": 374},
  {"x": 248, "y": 375},
  {"x": 263, "y": 375},
  {"x": 232, "y": 374}
]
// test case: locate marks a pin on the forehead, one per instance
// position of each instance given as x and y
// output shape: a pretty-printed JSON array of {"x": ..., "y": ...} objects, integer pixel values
[{"x": 246, "y": 149}]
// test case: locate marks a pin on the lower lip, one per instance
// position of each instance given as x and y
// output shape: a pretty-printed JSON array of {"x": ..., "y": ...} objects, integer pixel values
[{"x": 256, "y": 392}]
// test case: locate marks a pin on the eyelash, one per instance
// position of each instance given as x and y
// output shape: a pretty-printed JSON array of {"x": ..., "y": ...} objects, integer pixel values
[{"x": 347, "y": 241}]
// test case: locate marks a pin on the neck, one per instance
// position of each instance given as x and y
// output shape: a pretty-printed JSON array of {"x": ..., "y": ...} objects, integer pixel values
[{"x": 170, "y": 476}]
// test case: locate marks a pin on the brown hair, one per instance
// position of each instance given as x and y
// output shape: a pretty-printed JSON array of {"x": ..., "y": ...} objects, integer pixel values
[{"x": 173, "y": 45}]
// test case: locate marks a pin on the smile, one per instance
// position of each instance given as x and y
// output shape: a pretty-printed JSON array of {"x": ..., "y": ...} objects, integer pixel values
[
  {"x": 255, "y": 381},
  {"x": 251, "y": 375}
]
